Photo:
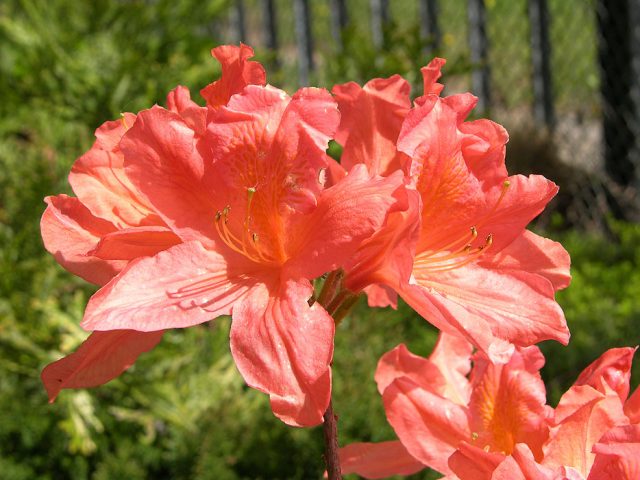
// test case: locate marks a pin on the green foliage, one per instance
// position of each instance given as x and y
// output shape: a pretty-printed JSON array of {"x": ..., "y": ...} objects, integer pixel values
[
  {"x": 81, "y": 61},
  {"x": 602, "y": 304}
]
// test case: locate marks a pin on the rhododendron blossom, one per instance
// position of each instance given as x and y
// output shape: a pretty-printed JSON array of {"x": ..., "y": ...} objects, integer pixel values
[
  {"x": 110, "y": 223},
  {"x": 472, "y": 260},
  {"x": 591, "y": 435},
  {"x": 255, "y": 224},
  {"x": 186, "y": 213},
  {"x": 496, "y": 425}
]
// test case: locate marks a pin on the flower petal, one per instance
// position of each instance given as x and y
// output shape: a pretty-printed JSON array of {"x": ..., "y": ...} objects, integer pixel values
[
  {"x": 521, "y": 465},
  {"x": 371, "y": 120},
  {"x": 617, "y": 455},
  {"x": 347, "y": 213},
  {"x": 483, "y": 147},
  {"x": 179, "y": 287},
  {"x": 612, "y": 368},
  {"x": 99, "y": 180},
  {"x": 581, "y": 418},
  {"x": 378, "y": 460},
  {"x": 508, "y": 403},
  {"x": 283, "y": 347},
  {"x": 632, "y": 406},
  {"x": 524, "y": 200},
  {"x": 102, "y": 357},
  {"x": 69, "y": 231},
  {"x": 387, "y": 256},
  {"x": 162, "y": 162},
  {"x": 534, "y": 254},
  {"x": 265, "y": 141},
  {"x": 472, "y": 463},
  {"x": 381, "y": 296},
  {"x": 131, "y": 243},
  {"x": 430, "y": 74},
  {"x": 452, "y": 356},
  {"x": 400, "y": 363},
  {"x": 429, "y": 426},
  {"x": 195, "y": 116},
  {"x": 489, "y": 308},
  {"x": 237, "y": 72}
]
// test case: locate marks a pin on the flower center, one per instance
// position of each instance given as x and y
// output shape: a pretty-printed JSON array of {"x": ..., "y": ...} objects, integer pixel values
[
  {"x": 460, "y": 251},
  {"x": 247, "y": 242}
]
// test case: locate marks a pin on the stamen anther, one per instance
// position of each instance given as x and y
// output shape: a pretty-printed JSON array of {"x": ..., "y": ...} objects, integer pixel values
[
  {"x": 124, "y": 121},
  {"x": 489, "y": 240}
]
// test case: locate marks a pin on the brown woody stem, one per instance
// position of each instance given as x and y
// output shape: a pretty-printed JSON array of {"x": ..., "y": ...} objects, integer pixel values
[
  {"x": 338, "y": 303},
  {"x": 330, "y": 430}
]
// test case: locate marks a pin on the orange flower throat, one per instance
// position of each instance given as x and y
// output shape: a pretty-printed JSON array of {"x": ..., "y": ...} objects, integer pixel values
[
  {"x": 460, "y": 251},
  {"x": 247, "y": 243}
]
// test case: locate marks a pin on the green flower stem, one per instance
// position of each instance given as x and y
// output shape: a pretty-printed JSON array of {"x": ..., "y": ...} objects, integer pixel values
[{"x": 344, "y": 308}]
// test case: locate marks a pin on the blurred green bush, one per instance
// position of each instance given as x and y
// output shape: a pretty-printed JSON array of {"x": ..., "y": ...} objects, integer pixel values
[{"x": 183, "y": 411}]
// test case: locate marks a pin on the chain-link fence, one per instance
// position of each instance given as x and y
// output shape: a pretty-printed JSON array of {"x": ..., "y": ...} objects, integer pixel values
[{"x": 562, "y": 75}]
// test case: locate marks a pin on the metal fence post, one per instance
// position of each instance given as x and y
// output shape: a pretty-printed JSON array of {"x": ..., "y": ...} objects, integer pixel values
[
  {"x": 237, "y": 20},
  {"x": 304, "y": 40},
  {"x": 339, "y": 20},
  {"x": 635, "y": 91},
  {"x": 429, "y": 29},
  {"x": 270, "y": 26},
  {"x": 543, "y": 111},
  {"x": 379, "y": 18},
  {"x": 618, "y": 112},
  {"x": 479, "y": 46}
]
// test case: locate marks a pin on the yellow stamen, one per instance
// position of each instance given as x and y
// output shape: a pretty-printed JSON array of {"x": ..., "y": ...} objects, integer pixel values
[
  {"x": 247, "y": 243},
  {"x": 466, "y": 255},
  {"x": 124, "y": 121},
  {"x": 460, "y": 252}
]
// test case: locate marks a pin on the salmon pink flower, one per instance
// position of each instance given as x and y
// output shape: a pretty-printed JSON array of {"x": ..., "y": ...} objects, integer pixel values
[
  {"x": 590, "y": 435},
  {"x": 496, "y": 425},
  {"x": 95, "y": 235},
  {"x": 110, "y": 223},
  {"x": 256, "y": 225},
  {"x": 371, "y": 119},
  {"x": 433, "y": 407},
  {"x": 472, "y": 259}
]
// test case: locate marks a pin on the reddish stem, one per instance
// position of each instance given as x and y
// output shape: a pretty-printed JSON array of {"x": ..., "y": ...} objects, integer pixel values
[
  {"x": 338, "y": 303},
  {"x": 330, "y": 288},
  {"x": 330, "y": 430}
]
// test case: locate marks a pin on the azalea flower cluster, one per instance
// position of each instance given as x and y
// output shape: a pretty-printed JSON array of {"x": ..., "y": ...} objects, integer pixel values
[
  {"x": 491, "y": 421},
  {"x": 186, "y": 213}
]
